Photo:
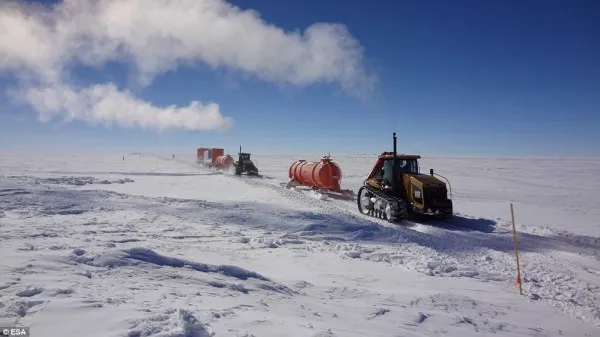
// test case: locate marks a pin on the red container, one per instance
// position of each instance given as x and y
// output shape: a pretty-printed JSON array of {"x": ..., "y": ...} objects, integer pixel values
[
  {"x": 324, "y": 174},
  {"x": 215, "y": 153},
  {"x": 200, "y": 152}
]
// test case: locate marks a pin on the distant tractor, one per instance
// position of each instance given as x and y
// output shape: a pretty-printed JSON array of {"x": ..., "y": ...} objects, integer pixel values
[
  {"x": 396, "y": 188},
  {"x": 244, "y": 165}
]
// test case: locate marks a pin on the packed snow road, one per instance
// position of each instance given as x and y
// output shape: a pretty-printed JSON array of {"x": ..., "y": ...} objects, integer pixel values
[{"x": 147, "y": 246}]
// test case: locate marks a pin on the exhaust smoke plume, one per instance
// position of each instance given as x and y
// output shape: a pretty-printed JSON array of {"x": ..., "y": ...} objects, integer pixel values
[{"x": 39, "y": 45}]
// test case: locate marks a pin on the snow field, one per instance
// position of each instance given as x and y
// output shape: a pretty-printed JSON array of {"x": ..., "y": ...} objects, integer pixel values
[{"x": 152, "y": 246}]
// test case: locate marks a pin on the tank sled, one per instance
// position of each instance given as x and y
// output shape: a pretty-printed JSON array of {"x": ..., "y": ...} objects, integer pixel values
[
  {"x": 323, "y": 177},
  {"x": 321, "y": 193},
  {"x": 395, "y": 188}
]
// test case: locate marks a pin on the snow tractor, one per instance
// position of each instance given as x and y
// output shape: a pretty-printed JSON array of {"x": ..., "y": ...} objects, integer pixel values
[
  {"x": 395, "y": 188},
  {"x": 244, "y": 165}
]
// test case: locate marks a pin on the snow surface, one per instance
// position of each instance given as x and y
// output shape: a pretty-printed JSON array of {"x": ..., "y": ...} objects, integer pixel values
[{"x": 157, "y": 246}]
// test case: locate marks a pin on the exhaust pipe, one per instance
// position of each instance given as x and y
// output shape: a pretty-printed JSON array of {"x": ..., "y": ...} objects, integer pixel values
[
  {"x": 394, "y": 146},
  {"x": 395, "y": 184}
]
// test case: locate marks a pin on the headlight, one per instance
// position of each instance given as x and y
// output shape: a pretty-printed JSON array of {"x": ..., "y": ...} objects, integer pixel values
[{"x": 417, "y": 194}]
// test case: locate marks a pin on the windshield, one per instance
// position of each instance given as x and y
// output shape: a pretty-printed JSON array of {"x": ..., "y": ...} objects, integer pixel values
[
  {"x": 408, "y": 166},
  {"x": 404, "y": 166}
]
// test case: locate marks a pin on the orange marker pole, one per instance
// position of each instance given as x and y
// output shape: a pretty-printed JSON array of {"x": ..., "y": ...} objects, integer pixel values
[{"x": 512, "y": 213}]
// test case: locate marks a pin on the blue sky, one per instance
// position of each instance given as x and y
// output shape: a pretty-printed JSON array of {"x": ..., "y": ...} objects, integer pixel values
[{"x": 454, "y": 78}]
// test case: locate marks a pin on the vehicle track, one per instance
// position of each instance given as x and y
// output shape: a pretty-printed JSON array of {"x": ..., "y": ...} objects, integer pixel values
[
  {"x": 413, "y": 227},
  {"x": 449, "y": 249}
]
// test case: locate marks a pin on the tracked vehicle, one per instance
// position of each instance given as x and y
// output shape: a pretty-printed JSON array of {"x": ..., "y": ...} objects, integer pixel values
[
  {"x": 395, "y": 188},
  {"x": 245, "y": 165}
]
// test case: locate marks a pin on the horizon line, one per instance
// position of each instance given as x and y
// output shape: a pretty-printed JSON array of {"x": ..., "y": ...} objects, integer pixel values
[{"x": 306, "y": 156}]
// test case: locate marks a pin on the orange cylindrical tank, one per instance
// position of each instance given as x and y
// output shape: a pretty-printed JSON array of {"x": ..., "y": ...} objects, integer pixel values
[
  {"x": 324, "y": 174},
  {"x": 223, "y": 161}
]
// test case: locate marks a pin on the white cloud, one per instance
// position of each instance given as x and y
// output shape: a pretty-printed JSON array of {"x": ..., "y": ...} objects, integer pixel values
[
  {"x": 105, "y": 103},
  {"x": 40, "y": 44}
]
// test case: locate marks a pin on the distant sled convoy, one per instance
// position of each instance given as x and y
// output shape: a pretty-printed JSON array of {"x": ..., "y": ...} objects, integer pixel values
[
  {"x": 216, "y": 158},
  {"x": 394, "y": 189}
]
